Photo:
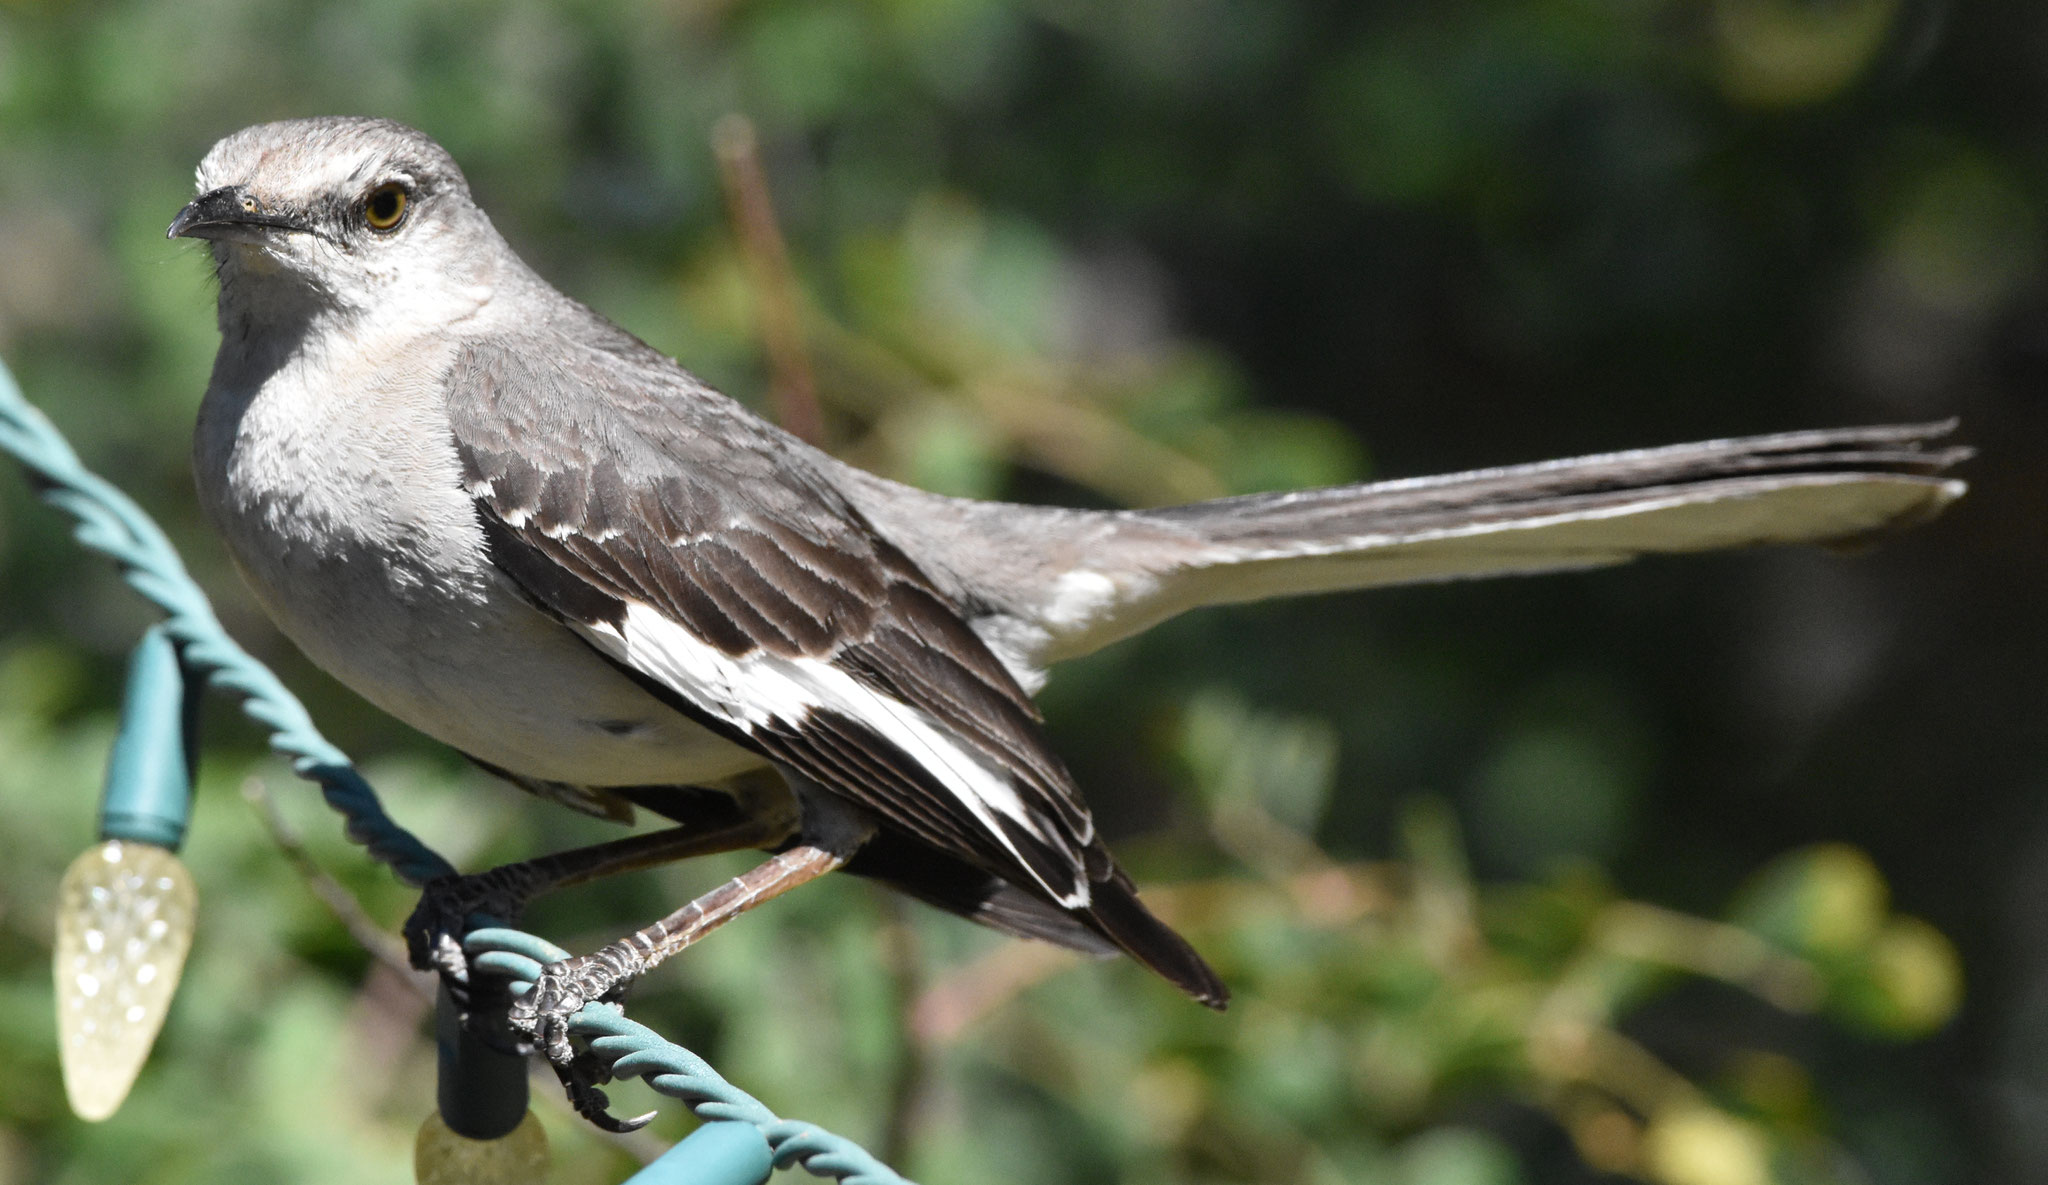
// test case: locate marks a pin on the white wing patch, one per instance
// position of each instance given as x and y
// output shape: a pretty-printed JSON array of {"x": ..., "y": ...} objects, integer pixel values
[{"x": 760, "y": 689}]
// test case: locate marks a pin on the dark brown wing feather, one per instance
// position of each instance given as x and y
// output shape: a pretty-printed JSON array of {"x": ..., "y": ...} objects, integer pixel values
[{"x": 606, "y": 476}]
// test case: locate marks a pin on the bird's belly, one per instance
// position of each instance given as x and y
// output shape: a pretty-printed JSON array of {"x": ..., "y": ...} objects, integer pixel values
[
  {"x": 469, "y": 663},
  {"x": 557, "y": 713},
  {"x": 378, "y": 571}
]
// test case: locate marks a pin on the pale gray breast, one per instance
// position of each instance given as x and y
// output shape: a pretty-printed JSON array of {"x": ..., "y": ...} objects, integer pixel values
[
  {"x": 337, "y": 495},
  {"x": 338, "y": 492},
  {"x": 333, "y": 478}
]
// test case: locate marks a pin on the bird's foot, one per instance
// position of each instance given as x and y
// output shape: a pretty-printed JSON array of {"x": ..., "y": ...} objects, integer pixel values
[
  {"x": 448, "y": 909},
  {"x": 542, "y": 1016}
]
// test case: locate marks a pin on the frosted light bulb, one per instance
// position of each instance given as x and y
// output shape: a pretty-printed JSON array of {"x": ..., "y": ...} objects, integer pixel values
[
  {"x": 124, "y": 924},
  {"x": 441, "y": 1157}
]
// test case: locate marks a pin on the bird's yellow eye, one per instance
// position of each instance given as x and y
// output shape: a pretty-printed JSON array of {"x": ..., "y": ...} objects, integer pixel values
[{"x": 384, "y": 209}]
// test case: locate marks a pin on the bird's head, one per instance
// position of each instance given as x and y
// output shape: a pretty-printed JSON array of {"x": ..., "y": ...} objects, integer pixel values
[{"x": 363, "y": 217}]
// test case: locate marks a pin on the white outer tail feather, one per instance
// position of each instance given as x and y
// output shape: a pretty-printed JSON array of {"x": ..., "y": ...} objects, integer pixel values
[{"x": 1222, "y": 563}]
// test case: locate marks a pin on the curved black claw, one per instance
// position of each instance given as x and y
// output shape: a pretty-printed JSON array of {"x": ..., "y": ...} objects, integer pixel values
[{"x": 580, "y": 1078}]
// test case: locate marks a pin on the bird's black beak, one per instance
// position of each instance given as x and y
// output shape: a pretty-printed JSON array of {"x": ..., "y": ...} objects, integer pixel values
[{"x": 230, "y": 212}]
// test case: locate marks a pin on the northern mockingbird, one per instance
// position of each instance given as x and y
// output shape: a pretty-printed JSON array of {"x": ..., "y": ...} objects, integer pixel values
[{"x": 519, "y": 529}]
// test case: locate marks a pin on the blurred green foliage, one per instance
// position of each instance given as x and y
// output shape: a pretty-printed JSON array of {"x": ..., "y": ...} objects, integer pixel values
[{"x": 1109, "y": 254}]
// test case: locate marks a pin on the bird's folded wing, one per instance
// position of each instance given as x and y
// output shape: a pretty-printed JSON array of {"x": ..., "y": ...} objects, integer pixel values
[{"x": 695, "y": 547}]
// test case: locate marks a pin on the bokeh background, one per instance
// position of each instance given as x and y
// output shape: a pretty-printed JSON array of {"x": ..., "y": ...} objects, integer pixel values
[{"x": 1716, "y": 871}]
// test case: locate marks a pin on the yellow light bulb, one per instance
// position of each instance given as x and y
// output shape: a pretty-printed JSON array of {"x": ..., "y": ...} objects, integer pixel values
[
  {"x": 124, "y": 925},
  {"x": 441, "y": 1157}
]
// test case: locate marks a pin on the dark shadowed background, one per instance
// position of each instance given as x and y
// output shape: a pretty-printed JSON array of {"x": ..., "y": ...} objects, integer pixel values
[{"x": 1706, "y": 871}]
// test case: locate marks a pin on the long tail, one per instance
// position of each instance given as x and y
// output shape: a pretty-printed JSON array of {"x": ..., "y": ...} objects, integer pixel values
[{"x": 1835, "y": 486}]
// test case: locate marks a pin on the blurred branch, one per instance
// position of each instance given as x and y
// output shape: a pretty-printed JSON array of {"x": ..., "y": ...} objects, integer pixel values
[
  {"x": 1564, "y": 1050},
  {"x": 912, "y": 1072},
  {"x": 1264, "y": 844},
  {"x": 1332, "y": 895},
  {"x": 947, "y": 1008},
  {"x": 1036, "y": 420},
  {"x": 381, "y": 946},
  {"x": 792, "y": 390},
  {"x": 1089, "y": 446},
  {"x": 1715, "y": 950},
  {"x": 384, "y": 1024},
  {"x": 1442, "y": 902}
]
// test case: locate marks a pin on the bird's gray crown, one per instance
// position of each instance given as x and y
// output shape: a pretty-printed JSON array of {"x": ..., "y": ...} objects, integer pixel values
[{"x": 300, "y": 162}]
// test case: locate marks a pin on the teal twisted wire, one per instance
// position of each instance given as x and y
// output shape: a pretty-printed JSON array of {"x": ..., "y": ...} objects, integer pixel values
[
  {"x": 110, "y": 523},
  {"x": 632, "y": 1050}
]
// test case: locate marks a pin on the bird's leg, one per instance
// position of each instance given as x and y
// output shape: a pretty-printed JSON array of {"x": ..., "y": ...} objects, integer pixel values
[
  {"x": 565, "y": 987},
  {"x": 433, "y": 934}
]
